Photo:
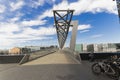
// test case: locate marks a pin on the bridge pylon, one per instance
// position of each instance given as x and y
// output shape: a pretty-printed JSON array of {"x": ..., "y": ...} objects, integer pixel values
[{"x": 62, "y": 19}]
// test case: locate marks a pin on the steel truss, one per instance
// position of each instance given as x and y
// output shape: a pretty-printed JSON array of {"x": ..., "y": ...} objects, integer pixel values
[{"x": 62, "y": 19}]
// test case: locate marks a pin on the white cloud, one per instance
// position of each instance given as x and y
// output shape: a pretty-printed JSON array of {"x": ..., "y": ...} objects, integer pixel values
[
  {"x": 97, "y": 36},
  {"x": 38, "y": 3},
  {"x": 10, "y": 39},
  {"x": 15, "y": 32},
  {"x": 8, "y": 27},
  {"x": 83, "y": 6},
  {"x": 14, "y": 19},
  {"x": 33, "y": 22},
  {"x": 83, "y": 27},
  {"x": 16, "y": 5},
  {"x": 53, "y": 0},
  {"x": 26, "y": 34},
  {"x": 6, "y": 43},
  {"x": 42, "y": 31},
  {"x": 47, "y": 13},
  {"x": 84, "y": 31},
  {"x": 47, "y": 30},
  {"x": 103, "y": 6},
  {"x": 2, "y": 8},
  {"x": 1, "y": 17},
  {"x": 19, "y": 14}
]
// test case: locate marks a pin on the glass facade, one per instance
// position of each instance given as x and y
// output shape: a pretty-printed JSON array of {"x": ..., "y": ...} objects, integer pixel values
[
  {"x": 79, "y": 48},
  {"x": 108, "y": 47}
]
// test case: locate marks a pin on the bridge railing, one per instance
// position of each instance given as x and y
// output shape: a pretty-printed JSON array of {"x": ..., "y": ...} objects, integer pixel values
[{"x": 38, "y": 54}]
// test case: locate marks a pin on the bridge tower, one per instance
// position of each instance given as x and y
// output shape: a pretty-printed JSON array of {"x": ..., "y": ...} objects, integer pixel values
[
  {"x": 62, "y": 19},
  {"x": 74, "y": 34}
]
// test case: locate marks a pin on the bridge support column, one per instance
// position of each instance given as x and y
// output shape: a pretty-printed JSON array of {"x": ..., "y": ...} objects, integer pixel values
[{"x": 73, "y": 36}]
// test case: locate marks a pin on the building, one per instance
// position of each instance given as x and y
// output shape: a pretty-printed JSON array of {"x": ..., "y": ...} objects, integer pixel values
[
  {"x": 90, "y": 48},
  {"x": 100, "y": 47},
  {"x": 84, "y": 47},
  {"x": 112, "y": 47},
  {"x": 107, "y": 47},
  {"x": 33, "y": 48},
  {"x": 15, "y": 51},
  {"x": 3, "y": 52},
  {"x": 117, "y": 47},
  {"x": 25, "y": 50},
  {"x": 95, "y": 47},
  {"x": 79, "y": 47},
  {"x": 18, "y": 50}
]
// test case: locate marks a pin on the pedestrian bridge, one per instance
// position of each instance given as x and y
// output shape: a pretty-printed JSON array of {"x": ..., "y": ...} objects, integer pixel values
[
  {"x": 60, "y": 65},
  {"x": 59, "y": 57}
]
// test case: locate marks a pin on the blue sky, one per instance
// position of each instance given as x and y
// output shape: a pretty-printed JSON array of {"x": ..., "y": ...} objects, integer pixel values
[{"x": 30, "y": 22}]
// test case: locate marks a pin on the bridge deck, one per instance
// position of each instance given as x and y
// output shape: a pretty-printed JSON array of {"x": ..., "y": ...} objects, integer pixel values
[
  {"x": 59, "y": 57},
  {"x": 51, "y": 72},
  {"x": 56, "y": 66}
]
